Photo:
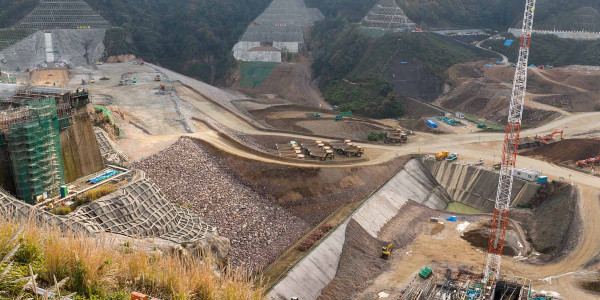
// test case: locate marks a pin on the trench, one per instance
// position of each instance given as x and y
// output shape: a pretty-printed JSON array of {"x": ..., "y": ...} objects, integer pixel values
[{"x": 421, "y": 190}]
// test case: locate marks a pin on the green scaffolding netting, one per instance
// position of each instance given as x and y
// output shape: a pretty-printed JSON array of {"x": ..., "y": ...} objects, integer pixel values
[{"x": 34, "y": 147}]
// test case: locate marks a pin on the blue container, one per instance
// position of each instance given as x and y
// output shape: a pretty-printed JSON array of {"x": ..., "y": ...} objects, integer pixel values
[
  {"x": 432, "y": 124},
  {"x": 542, "y": 179}
]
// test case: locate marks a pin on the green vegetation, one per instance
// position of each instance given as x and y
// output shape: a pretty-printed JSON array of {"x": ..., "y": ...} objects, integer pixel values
[
  {"x": 351, "y": 64},
  {"x": 254, "y": 74},
  {"x": 500, "y": 14},
  {"x": 191, "y": 37},
  {"x": 551, "y": 50},
  {"x": 97, "y": 269},
  {"x": 12, "y": 11},
  {"x": 458, "y": 207},
  {"x": 9, "y": 36},
  {"x": 353, "y": 10},
  {"x": 377, "y": 136}
]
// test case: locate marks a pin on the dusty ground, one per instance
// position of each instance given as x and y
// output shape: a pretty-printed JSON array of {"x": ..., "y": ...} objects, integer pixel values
[
  {"x": 484, "y": 92},
  {"x": 568, "y": 150},
  {"x": 161, "y": 126},
  {"x": 53, "y": 78},
  {"x": 294, "y": 82}
]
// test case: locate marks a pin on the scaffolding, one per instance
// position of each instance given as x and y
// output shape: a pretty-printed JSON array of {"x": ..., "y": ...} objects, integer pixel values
[
  {"x": 387, "y": 15},
  {"x": 34, "y": 147},
  {"x": 63, "y": 14}
]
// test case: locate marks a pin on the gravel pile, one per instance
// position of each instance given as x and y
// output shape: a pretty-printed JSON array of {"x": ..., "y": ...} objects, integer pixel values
[{"x": 259, "y": 230}]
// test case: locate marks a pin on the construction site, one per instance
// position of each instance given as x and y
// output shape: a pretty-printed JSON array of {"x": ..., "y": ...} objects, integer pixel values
[{"x": 316, "y": 202}]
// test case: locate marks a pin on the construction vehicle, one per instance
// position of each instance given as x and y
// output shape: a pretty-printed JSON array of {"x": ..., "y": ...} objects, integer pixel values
[
  {"x": 386, "y": 251},
  {"x": 157, "y": 78},
  {"x": 581, "y": 164},
  {"x": 425, "y": 272},
  {"x": 481, "y": 126},
  {"x": 452, "y": 157},
  {"x": 497, "y": 166},
  {"x": 398, "y": 136},
  {"x": 347, "y": 148},
  {"x": 318, "y": 115},
  {"x": 161, "y": 87},
  {"x": 92, "y": 81},
  {"x": 509, "y": 152},
  {"x": 341, "y": 116},
  {"x": 134, "y": 80},
  {"x": 442, "y": 155},
  {"x": 549, "y": 137},
  {"x": 121, "y": 82}
]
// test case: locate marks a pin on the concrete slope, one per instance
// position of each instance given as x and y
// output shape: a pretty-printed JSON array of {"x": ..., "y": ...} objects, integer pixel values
[
  {"x": 474, "y": 186},
  {"x": 414, "y": 183}
]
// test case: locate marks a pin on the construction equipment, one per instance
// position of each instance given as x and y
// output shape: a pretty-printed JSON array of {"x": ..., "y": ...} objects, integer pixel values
[
  {"x": 161, "y": 87},
  {"x": 509, "y": 151},
  {"x": 347, "y": 148},
  {"x": 549, "y": 137},
  {"x": 481, "y": 126},
  {"x": 425, "y": 272},
  {"x": 121, "y": 82},
  {"x": 442, "y": 155},
  {"x": 92, "y": 81},
  {"x": 341, "y": 116},
  {"x": 318, "y": 115},
  {"x": 157, "y": 78},
  {"x": 386, "y": 251},
  {"x": 452, "y": 157}
]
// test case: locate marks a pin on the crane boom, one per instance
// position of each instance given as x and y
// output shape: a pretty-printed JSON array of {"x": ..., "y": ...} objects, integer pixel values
[{"x": 509, "y": 150}]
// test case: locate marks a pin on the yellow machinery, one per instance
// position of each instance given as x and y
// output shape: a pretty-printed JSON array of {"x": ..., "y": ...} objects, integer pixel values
[
  {"x": 386, "y": 251},
  {"x": 442, "y": 155}
]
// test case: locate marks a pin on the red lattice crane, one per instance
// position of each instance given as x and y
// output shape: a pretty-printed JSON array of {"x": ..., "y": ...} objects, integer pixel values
[{"x": 509, "y": 151}]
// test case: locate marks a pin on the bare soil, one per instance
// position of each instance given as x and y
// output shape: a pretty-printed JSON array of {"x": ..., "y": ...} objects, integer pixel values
[
  {"x": 568, "y": 150},
  {"x": 51, "y": 78},
  {"x": 552, "y": 222},
  {"x": 311, "y": 194}
]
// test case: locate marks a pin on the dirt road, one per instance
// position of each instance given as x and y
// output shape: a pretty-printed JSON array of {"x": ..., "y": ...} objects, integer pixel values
[
  {"x": 471, "y": 146},
  {"x": 541, "y": 74}
]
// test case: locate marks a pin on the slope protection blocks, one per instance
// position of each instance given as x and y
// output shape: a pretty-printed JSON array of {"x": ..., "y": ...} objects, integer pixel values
[
  {"x": 62, "y": 14},
  {"x": 387, "y": 15}
]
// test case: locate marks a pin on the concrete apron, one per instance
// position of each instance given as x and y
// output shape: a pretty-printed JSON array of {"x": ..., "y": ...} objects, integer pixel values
[{"x": 415, "y": 183}]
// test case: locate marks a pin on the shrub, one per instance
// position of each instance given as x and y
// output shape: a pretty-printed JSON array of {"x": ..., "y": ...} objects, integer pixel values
[{"x": 377, "y": 136}]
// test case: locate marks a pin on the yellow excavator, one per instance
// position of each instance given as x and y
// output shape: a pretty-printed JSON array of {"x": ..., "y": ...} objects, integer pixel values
[{"x": 386, "y": 251}]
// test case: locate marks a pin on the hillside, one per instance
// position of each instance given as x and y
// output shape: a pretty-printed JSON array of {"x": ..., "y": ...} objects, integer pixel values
[
  {"x": 500, "y": 14},
  {"x": 551, "y": 50},
  {"x": 353, "y": 10},
  {"x": 353, "y": 67},
  {"x": 12, "y": 11}
]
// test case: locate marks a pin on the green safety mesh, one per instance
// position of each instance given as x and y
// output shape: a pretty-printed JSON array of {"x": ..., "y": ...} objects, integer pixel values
[
  {"x": 107, "y": 113},
  {"x": 34, "y": 147},
  {"x": 255, "y": 73}
]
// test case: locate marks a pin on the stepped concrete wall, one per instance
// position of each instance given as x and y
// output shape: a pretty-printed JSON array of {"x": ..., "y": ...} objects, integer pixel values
[
  {"x": 80, "y": 150},
  {"x": 414, "y": 183},
  {"x": 577, "y": 35},
  {"x": 474, "y": 186}
]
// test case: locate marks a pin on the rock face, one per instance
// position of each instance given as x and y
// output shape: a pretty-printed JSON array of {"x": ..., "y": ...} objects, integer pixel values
[{"x": 259, "y": 229}]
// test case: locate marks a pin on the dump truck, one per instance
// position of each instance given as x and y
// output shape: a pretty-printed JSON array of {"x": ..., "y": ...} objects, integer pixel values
[
  {"x": 157, "y": 78},
  {"x": 442, "y": 155},
  {"x": 347, "y": 148},
  {"x": 386, "y": 251}
]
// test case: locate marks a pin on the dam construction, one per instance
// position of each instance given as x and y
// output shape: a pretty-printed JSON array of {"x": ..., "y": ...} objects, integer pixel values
[{"x": 310, "y": 165}]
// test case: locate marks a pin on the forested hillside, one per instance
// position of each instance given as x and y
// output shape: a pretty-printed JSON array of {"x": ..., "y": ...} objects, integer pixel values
[
  {"x": 353, "y": 10},
  {"x": 194, "y": 37},
  {"x": 551, "y": 50},
  {"x": 351, "y": 65},
  {"x": 12, "y": 11}
]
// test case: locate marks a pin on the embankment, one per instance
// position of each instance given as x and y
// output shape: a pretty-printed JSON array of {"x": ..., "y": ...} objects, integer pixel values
[
  {"x": 476, "y": 187},
  {"x": 413, "y": 185}
]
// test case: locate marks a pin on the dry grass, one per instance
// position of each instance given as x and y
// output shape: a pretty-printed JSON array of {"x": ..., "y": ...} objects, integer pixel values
[{"x": 103, "y": 269}]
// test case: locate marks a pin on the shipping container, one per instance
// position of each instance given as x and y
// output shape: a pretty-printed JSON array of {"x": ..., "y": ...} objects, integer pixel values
[{"x": 527, "y": 174}]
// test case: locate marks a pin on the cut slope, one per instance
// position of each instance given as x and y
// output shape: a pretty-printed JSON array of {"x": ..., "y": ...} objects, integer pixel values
[
  {"x": 63, "y": 14},
  {"x": 567, "y": 150}
]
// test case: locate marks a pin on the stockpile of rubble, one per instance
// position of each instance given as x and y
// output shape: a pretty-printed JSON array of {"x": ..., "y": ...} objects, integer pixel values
[{"x": 259, "y": 230}]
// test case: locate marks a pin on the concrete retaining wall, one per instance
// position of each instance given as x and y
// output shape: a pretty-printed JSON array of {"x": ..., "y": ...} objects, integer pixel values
[
  {"x": 287, "y": 46},
  {"x": 577, "y": 35},
  {"x": 265, "y": 56},
  {"x": 476, "y": 187},
  {"x": 414, "y": 183}
]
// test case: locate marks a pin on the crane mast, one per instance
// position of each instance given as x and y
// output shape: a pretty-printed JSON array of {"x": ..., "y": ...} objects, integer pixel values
[{"x": 509, "y": 150}]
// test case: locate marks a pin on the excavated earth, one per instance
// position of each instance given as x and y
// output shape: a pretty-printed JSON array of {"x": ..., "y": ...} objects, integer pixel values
[
  {"x": 567, "y": 150},
  {"x": 262, "y": 208}
]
